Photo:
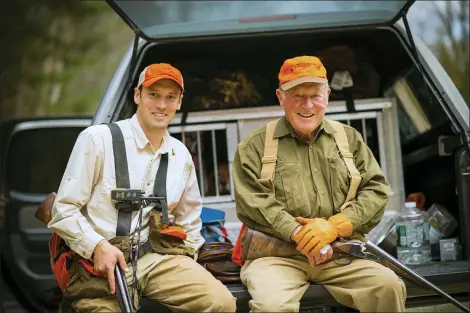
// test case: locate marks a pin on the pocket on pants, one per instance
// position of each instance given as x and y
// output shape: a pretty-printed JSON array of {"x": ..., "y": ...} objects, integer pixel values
[{"x": 83, "y": 284}]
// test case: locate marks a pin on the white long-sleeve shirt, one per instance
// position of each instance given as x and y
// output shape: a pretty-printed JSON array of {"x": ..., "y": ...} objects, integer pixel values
[{"x": 83, "y": 213}]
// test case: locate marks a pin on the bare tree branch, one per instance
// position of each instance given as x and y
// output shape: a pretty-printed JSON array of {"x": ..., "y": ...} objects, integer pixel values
[{"x": 446, "y": 18}]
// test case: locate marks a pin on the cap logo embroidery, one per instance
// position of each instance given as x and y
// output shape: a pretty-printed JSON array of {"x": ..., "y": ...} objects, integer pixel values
[{"x": 302, "y": 65}]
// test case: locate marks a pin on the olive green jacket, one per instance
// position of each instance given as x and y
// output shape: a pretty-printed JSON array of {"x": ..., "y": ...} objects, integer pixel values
[{"x": 310, "y": 180}]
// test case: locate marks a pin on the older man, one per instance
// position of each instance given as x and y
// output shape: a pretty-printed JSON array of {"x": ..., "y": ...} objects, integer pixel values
[{"x": 307, "y": 200}]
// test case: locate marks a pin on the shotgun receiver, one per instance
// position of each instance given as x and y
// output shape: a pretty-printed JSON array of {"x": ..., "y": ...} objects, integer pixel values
[{"x": 256, "y": 244}]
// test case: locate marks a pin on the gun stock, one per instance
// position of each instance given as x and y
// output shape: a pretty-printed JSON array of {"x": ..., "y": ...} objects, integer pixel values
[
  {"x": 122, "y": 293},
  {"x": 44, "y": 211},
  {"x": 256, "y": 244}
]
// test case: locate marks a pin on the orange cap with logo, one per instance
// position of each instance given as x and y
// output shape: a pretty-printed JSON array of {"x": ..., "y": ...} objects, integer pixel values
[
  {"x": 156, "y": 72},
  {"x": 303, "y": 69}
]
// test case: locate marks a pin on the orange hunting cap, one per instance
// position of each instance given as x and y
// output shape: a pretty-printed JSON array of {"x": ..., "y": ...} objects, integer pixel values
[
  {"x": 303, "y": 69},
  {"x": 156, "y": 72}
]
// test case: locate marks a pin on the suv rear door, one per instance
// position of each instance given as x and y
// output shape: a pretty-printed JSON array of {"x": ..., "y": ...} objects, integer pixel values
[
  {"x": 171, "y": 19},
  {"x": 158, "y": 21},
  {"x": 34, "y": 156}
]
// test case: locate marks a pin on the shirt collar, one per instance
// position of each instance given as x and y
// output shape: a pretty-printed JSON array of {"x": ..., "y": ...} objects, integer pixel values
[
  {"x": 142, "y": 141},
  {"x": 283, "y": 128}
]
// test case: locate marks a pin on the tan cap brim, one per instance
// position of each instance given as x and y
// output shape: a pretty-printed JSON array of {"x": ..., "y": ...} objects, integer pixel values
[{"x": 301, "y": 80}]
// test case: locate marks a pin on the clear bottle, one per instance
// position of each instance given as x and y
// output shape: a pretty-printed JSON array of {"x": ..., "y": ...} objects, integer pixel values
[
  {"x": 413, "y": 246},
  {"x": 426, "y": 246},
  {"x": 404, "y": 234}
]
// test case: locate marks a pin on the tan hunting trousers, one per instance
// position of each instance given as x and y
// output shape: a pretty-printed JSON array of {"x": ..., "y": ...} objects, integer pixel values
[
  {"x": 277, "y": 284},
  {"x": 176, "y": 281}
]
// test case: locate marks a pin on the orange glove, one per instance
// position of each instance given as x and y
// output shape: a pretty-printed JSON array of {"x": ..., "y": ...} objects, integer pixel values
[
  {"x": 175, "y": 231},
  {"x": 317, "y": 232}
]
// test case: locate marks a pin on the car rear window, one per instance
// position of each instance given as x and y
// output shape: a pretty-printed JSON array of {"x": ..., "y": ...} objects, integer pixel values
[{"x": 37, "y": 159}]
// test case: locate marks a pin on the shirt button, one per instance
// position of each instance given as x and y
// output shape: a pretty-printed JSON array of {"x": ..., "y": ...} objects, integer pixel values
[
  {"x": 148, "y": 183},
  {"x": 322, "y": 192},
  {"x": 315, "y": 170}
]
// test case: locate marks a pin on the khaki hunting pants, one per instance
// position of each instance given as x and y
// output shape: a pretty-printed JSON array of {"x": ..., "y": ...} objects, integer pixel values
[
  {"x": 277, "y": 284},
  {"x": 176, "y": 281}
]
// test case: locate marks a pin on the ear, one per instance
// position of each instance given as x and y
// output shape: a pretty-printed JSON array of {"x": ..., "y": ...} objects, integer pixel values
[
  {"x": 280, "y": 96},
  {"x": 137, "y": 97},
  {"x": 327, "y": 100},
  {"x": 178, "y": 106}
]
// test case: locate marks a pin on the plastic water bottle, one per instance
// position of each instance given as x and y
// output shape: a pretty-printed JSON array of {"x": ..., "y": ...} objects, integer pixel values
[
  {"x": 402, "y": 230},
  {"x": 413, "y": 245}
]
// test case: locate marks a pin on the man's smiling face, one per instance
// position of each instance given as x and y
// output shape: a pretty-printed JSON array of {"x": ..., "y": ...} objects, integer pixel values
[
  {"x": 157, "y": 104},
  {"x": 304, "y": 106}
]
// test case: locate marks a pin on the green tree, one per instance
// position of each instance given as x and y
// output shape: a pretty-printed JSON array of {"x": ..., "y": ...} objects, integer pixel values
[{"x": 57, "y": 56}]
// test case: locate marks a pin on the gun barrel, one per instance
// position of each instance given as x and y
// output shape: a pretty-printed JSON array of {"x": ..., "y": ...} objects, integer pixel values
[
  {"x": 389, "y": 260},
  {"x": 122, "y": 293}
]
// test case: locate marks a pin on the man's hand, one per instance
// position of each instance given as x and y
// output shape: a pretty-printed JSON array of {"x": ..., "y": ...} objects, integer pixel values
[
  {"x": 105, "y": 258},
  {"x": 320, "y": 257},
  {"x": 314, "y": 235},
  {"x": 317, "y": 232}
]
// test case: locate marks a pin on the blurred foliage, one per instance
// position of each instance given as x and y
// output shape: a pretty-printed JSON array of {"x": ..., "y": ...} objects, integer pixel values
[
  {"x": 452, "y": 46},
  {"x": 57, "y": 56}
]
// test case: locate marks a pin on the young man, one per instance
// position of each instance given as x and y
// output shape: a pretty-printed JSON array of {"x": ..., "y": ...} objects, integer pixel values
[
  {"x": 85, "y": 217},
  {"x": 306, "y": 202}
]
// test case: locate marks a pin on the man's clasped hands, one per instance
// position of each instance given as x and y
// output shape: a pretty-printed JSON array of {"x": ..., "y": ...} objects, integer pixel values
[{"x": 313, "y": 234}]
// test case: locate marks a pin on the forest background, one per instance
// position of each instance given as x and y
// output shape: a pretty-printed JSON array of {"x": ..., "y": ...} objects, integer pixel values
[{"x": 57, "y": 57}]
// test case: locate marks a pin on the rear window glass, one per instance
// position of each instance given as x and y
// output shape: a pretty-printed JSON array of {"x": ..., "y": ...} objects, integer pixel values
[
  {"x": 37, "y": 158},
  {"x": 418, "y": 109},
  {"x": 188, "y": 18}
]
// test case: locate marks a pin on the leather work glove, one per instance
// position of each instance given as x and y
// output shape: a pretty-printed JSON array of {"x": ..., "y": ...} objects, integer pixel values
[
  {"x": 174, "y": 230},
  {"x": 318, "y": 232}
]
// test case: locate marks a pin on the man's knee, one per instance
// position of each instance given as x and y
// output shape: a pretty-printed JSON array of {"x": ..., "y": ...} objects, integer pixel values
[
  {"x": 107, "y": 304},
  {"x": 219, "y": 300},
  {"x": 225, "y": 302},
  {"x": 392, "y": 285}
]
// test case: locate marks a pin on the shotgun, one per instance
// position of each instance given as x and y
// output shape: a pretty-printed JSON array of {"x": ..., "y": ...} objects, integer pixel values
[
  {"x": 122, "y": 293},
  {"x": 256, "y": 244}
]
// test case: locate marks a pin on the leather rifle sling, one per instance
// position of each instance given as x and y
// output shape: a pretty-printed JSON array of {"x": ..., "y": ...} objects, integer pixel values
[{"x": 122, "y": 179}]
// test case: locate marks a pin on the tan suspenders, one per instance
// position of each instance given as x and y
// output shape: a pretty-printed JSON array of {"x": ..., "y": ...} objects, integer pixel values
[{"x": 270, "y": 156}]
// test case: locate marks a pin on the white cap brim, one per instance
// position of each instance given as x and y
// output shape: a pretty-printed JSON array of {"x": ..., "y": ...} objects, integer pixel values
[{"x": 301, "y": 80}]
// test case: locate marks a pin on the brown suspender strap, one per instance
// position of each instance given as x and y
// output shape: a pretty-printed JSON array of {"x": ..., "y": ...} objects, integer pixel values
[
  {"x": 343, "y": 146},
  {"x": 270, "y": 155}
]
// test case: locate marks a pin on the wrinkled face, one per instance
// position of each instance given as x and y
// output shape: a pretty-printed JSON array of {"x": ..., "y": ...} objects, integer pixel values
[
  {"x": 157, "y": 104},
  {"x": 304, "y": 106}
]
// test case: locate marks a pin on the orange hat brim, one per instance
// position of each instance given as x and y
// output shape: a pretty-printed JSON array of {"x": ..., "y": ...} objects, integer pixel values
[{"x": 306, "y": 79}]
